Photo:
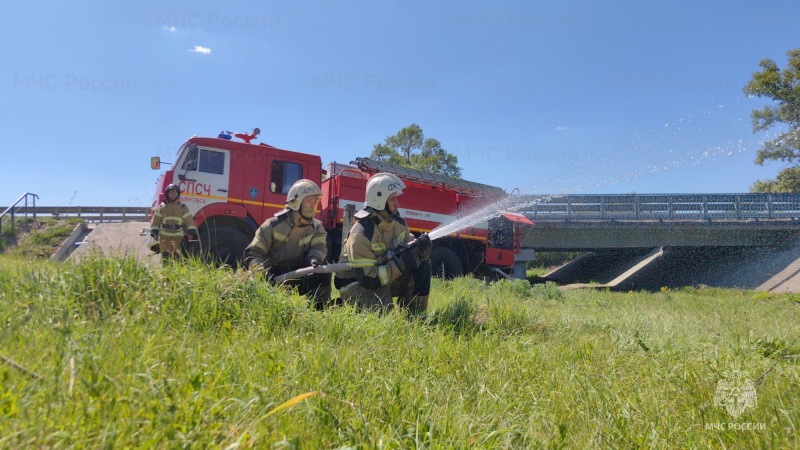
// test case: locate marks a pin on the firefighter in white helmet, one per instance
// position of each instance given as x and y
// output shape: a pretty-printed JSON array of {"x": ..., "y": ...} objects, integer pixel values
[
  {"x": 380, "y": 268},
  {"x": 171, "y": 220},
  {"x": 294, "y": 239}
]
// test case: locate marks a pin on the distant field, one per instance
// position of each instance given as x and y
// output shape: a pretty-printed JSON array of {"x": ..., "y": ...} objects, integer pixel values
[{"x": 111, "y": 354}]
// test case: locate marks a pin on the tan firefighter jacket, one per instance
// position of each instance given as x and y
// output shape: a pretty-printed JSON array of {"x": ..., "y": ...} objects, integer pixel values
[
  {"x": 366, "y": 246},
  {"x": 172, "y": 220},
  {"x": 287, "y": 240}
]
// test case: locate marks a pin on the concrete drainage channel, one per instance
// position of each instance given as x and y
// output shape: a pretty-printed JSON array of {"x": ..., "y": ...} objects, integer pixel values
[{"x": 78, "y": 236}]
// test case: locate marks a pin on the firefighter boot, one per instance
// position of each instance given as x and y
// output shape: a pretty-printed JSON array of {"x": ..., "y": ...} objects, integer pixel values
[
  {"x": 418, "y": 305},
  {"x": 166, "y": 258},
  {"x": 317, "y": 287},
  {"x": 321, "y": 298}
]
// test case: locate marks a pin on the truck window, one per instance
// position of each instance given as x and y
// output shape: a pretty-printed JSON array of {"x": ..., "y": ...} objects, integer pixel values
[
  {"x": 212, "y": 162},
  {"x": 190, "y": 163},
  {"x": 283, "y": 176}
]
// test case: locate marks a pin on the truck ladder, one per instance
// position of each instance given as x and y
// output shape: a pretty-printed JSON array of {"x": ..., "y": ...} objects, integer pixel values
[{"x": 456, "y": 185}]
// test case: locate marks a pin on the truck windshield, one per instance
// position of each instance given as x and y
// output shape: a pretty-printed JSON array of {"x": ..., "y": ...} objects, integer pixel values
[{"x": 208, "y": 161}]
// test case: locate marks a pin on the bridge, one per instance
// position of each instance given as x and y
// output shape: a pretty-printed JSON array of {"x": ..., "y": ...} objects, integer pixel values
[{"x": 643, "y": 240}]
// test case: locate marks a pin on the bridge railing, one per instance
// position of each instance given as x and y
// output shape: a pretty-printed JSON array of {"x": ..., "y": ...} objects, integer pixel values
[
  {"x": 661, "y": 207},
  {"x": 91, "y": 213}
]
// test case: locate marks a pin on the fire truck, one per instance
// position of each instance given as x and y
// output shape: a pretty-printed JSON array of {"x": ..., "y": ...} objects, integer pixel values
[{"x": 231, "y": 187}]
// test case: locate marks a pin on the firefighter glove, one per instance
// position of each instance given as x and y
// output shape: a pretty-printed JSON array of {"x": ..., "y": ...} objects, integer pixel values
[
  {"x": 313, "y": 262},
  {"x": 407, "y": 261},
  {"x": 423, "y": 247},
  {"x": 154, "y": 234}
]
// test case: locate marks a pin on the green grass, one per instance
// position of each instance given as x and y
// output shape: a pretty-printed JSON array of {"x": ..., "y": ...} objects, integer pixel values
[
  {"x": 35, "y": 239},
  {"x": 192, "y": 357}
]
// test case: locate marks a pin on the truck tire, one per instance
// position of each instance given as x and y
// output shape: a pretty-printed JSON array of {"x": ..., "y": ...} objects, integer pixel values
[
  {"x": 445, "y": 263},
  {"x": 224, "y": 245}
]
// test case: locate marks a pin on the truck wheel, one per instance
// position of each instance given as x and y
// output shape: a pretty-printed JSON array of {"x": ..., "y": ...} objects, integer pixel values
[
  {"x": 224, "y": 245},
  {"x": 445, "y": 263}
]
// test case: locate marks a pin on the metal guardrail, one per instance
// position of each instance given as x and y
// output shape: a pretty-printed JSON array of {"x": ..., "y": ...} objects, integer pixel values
[
  {"x": 92, "y": 213},
  {"x": 662, "y": 207},
  {"x": 16, "y": 208}
]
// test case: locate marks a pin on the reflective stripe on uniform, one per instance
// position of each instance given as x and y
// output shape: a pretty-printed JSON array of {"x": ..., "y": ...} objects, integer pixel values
[
  {"x": 279, "y": 237},
  {"x": 345, "y": 289},
  {"x": 383, "y": 275},
  {"x": 363, "y": 262}
]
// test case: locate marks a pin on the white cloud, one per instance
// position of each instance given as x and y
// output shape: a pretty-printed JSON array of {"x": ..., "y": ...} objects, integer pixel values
[
  {"x": 171, "y": 29},
  {"x": 562, "y": 128},
  {"x": 201, "y": 49}
]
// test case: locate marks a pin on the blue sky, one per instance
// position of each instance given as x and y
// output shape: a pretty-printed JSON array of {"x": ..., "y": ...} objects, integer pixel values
[{"x": 547, "y": 97}]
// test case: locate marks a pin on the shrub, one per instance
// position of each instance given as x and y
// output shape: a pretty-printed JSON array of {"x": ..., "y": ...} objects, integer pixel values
[
  {"x": 457, "y": 316},
  {"x": 514, "y": 288},
  {"x": 546, "y": 291}
]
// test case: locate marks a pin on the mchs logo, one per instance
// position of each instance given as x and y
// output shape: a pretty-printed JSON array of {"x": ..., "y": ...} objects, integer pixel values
[{"x": 735, "y": 393}]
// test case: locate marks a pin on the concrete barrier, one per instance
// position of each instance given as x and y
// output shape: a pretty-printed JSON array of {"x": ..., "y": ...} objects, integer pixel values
[{"x": 67, "y": 246}]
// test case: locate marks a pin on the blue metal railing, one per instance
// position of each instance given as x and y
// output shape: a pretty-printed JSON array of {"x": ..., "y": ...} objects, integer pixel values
[
  {"x": 12, "y": 210},
  {"x": 660, "y": 207}
]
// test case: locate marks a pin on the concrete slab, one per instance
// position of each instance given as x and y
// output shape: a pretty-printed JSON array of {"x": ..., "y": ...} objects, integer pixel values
[
  {"x": 117, "y": 240},
  {"x": 773, "y": 269},
  {"x": 788, "y": 279},
  {"x": 597, "y": 268},
  {"x": 623, "y": 280}
]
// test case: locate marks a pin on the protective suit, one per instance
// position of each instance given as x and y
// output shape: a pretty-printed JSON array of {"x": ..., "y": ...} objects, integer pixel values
[
  {"x": 171, "y": 221},
  {"x": 291, "y": 240},
  {"x": 379, "y": 269}
]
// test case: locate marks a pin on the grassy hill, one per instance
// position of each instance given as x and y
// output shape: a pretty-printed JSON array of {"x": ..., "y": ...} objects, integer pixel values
[
  {"x": 35, "y": 239},
  {"x": 111, "y": 354}
]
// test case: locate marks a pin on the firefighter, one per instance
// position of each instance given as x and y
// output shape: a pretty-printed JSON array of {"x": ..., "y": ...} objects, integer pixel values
[
  {"x": 170, "y": 221},
  {"x": 380, "y": 270},
  {"x": 291, "y": 240}
]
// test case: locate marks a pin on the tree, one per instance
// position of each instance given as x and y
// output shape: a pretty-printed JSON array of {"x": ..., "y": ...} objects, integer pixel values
[
  {"x": 782, "y": 86},
  {"x": 430, "y": 157},
  {"x": 788, "y": 180}
]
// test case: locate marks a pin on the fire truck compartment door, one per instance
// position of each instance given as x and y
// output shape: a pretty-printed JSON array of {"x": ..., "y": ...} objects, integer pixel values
[{"x": 204, "y": 174}]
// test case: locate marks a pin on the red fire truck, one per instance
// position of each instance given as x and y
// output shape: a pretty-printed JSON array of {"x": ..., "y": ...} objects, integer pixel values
[{"x": 231, "y": 187}]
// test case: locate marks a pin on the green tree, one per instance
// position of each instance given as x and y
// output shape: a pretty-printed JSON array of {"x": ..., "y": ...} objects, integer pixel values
[
  {"x": 410, "y": 148},
  {"x": 782, "y": 86},
  {"x": 788, "y": 180}
]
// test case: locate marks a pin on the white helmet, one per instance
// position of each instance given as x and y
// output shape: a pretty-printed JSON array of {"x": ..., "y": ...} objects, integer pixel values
[
  {"x": 299, "y": 191},
  {"x": 380, "y": 187}
]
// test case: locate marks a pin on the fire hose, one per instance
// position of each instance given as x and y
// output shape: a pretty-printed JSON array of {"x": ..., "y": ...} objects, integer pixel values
[
  {"x": 305, "y": 271},
  {"x": 341, "y": 267}
]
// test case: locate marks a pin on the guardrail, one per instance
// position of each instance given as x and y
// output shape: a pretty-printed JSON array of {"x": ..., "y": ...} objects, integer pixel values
[
  {"x": 15, "y": 208},
  {"x": 92, "y": 213},
  {"x": 677, "y": 207}
]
